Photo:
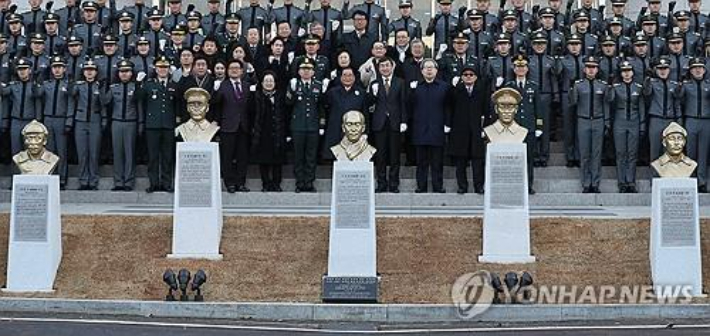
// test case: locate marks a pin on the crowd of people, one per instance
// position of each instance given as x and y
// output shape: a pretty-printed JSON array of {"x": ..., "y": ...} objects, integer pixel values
[{"x": 108, "y": 83}]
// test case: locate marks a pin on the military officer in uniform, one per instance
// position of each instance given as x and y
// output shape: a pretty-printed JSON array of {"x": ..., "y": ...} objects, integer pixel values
[
  {"x": 305, "y": 95},
  {"x": 143, "y": 60},
  {"x": 663, "y": 106},
  {"x": 57, "y": 103},
  {"x": 330, "y": 18},
  {"x": 158, "y": 97},
  {"x": 692, "y": 41},
  {"x": 554, "y": 38},
  {"x": 542, "y": 72},
  {"x": 155, "y": 33},
  {"x": 453, "y": 63},
  {"x": 108, "y": 61},
  {"x": 628, "y": 114},
  {"x": 175, "y": 17},
  {"x": 22, "y": 96},
  {"x": 640, "y": 59},
  {"x": 618, "y": 7},
  {"x": 75, "y": 58},
  {"x": 695, "y": 98},
  {"x": 38, "y": 57},
  {"x": 127, "y": 122},
  {"x": 616, "y": 31},
  {"x": 213, "y": 22},
  {"x": 500, "y": 65},
  {"x": 5, "y": 60},
  {"x": 529, "y": 116},
  {"x": 679, "y": 60},
  {"x": 480, "y": 40},
  {"x": 17, "y": 41},
  {"x": 54, "y": 41},
  {"x": 255, "y": 16},
  {"x": 589, "y": 40},
  {"x": 85, "y": 120},
  {"x": 139, "y": 12},
  {"x": 406, "y": 21},
  {"x": 377, "y": 20},
  {"x": 656, "y": 44},
  {"x": 294, "y": 15},
  {"x": 194, "y": 35},
  {"x": 570, "y": 69},
  {"x": 443, "y": 26},
  {"x": 588, "y": 96},
  {"x": 89, "y": 30},
  {"x": 321, "y": 63},
  {"x": 127, "y": 37}
]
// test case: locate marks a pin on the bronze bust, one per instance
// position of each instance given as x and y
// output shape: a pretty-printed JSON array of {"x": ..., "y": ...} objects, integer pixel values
[
  {"x": 35, "y": 159},
  {"x": 673, "y": 163},
  {"x": 197, "y": 129},
  {"x": 354, "y": 146},
  {"x": 505, "y": 129}
]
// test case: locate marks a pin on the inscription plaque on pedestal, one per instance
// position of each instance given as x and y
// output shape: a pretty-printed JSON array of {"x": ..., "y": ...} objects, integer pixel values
[
  {"x": 352, "y": 199},
  {"x": 195, "y": 179},
  {"x": 677, "y": 217},
  {"x": 30, "y": 210},
  {"x": 507, "y": 180},
  {"x": 350, "y": 289}
]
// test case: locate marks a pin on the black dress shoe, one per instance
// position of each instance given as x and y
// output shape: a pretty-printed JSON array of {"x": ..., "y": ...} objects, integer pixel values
[
  {"x": 84, "y": 187},
  {"x": 595, "y": 190},
  {"x": 623, "y": 189},
  {"x": 232, "y": 189},
  {"x": 570, "y": 164},
  {"x": 531, "y": 191},
  {"x": 298, "y": 190},
  {"x": 62, "y": 187},
  {"x": 586, "y": 190},
  {"x": 117, "y": 189},
  {"x": 536, "y": 164},
  {"x": 151, "y": 189},
  {"x": 479, "y": 190},
  {"x": 242, "y": 189},
  {"x": 94, "y": 188},
  {"x": 167, "y": 189},
  {"x": 543, "y": 164},
  {"x": 461, "y": 191},
  {"x": 703, "y": 189},
  {"x": 394, "y": 190},
  {"x": 420, "y": 191},
  {"x": 440, "y": 191},
  {"x": 381, "y": 189},
  {"x": 127, "y": 188},
  {"x": 631, "y": 189},
  {"x": 277, "y": 188}
]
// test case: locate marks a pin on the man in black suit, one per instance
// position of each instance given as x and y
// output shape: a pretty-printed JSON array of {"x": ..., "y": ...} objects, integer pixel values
[
  {"x": 359, "y": 41},
  {"x": 389, "y": 121},
  {"x": 232, "y": 114}
]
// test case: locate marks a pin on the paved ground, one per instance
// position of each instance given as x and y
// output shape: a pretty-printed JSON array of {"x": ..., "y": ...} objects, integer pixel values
[{"x": 108, "y": 326}]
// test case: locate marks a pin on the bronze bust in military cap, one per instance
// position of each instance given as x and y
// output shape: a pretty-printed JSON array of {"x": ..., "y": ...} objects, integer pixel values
[
  {"x": 35, "y": 159},
  {"x": 673, "y": 163},
  {"x": 505, "y": 129},
  {"x": 198, "y": 128}
]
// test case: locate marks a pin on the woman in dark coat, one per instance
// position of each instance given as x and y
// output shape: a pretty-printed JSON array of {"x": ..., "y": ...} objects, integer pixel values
[
  {"x": 269, "y": 132},
  {"x": 469, "y": 116}
]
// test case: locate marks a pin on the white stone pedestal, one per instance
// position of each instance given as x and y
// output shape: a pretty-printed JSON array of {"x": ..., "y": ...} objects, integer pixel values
[
  {"x": 35, "y": 247},
  {"x": 506, "y": 216},
  {"x": 352, "y": 253},
  {"x": 197, "y": 219},
  {"x": 674, "y": 249}
]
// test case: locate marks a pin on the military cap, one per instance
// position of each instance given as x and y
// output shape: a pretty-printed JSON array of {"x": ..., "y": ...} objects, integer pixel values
[
  {"x": 233, "y": 17},
  {"x": 653, "y": 1},
  {"x": 90, "y": 5},
  {"x": 162, "y": 61},
  {"x": 608, "y": 40},
  {"x": 14, "y": 18},
  {"x": 179, "y": 30},
  {"x": 57, "y": 60},
  {"x": 697, "y": 62},
  {"x": 461, "y": 37},
  {"x": 626, "y": 65},
  {"x": 520, "y": 60},
  {"x": 405, "y": 3},
  {"x": 196, "y": 91},
  {"x": 51, "y": 18},
  {"x": 174, "y": 1},
  {"x": 37, "y": 38},
  {"x": 574, "y": 39},
  {"x": 674, "y": 127},
  {"x": 23, "y": 63},
  {"x": 507, "y": 96},
  {"x": 75, "y": 40},
  {"x": 618, "y": 2},
  {"x": 110, "y": 39},
  {"x": 194, "y": 15},
  {"x": 35, "y": 127},
  {"x": 591, "y": 61},
  {"x": 639, "y": 40},
  {"x": 475, "y": 14},
  {"x": 142, "y": 40},
  {"x": 90, "y": 64},
  {"x": 306, "y": 63},
  {"x": 663, "y": 62},
  {"x": 674, "y": 37},
  {"x": 125, "y": 65},
  {"x": 213, "y": 1},
  {"x": 539, "y": 37},
  {"x": 510, "y": 14},
  {"x": 682, "y": 15},
  {"x": 469, "y": 67},
  {"x": 3, "y": 38},
  {"x": 581, "y": 15},
  {"x": 648, "y": 19},
  {"x": 502, "y": 38},
  {"x": 444, "y": 2},
  {"x": 615, "y": 20},
  {"x": 125, "y": 16},
  {"x": 155, "y": 14},
  {"x": 312, "y": 39},
  {"x": 547, "y": 12}
]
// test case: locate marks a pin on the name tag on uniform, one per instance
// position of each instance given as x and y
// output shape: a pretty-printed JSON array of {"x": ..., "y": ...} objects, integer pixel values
[
  {"x": 599, "y": 92},
  {"x": 634, "y": 94}
]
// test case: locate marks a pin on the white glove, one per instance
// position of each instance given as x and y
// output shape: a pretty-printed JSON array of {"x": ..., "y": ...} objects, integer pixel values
[
  {"x": 499, "y": 81},
  {"x": 291, "y": 56},
  {"x": 162, "y": 44},
  {"x": 447, "y": 129},
  {"x": 402, "y": 128},
  {"x": 335, "y": 25},
  {"x": 413, "y": 85},
  {"x": 538, "y": 133},
  {"x": 326, "y": 81},
  {"x": 172, "y": 69},
  {"x": 483, "y": 135},
  {"x": 442, "y": 49},
  {"x": 375, "y": 89},
  {"x": 217, "y": 83},
  {"x": 252, "y": 88},
  {"x": 293, "y": 84},
  {"x": 140, "y": 76},
  {"x": 288, "y": 139},
  {"x": 301, "y": 32},
  {"x": 321, "y": 131},
  {"x": 455, "y": 80}
]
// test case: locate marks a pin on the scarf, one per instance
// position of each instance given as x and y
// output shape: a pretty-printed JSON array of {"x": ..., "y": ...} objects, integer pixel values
[{"x": 353, "y": 150}]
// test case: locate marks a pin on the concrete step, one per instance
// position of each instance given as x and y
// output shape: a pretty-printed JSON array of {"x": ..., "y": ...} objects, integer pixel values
[{"x": 405, "y": 200}]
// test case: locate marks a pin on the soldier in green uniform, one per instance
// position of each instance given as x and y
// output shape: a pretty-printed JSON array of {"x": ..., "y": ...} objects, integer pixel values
[
  {"x": 159, "y": 98},
  {"x": 304, "y": 95},
  {"x": 321, "y": 63}
]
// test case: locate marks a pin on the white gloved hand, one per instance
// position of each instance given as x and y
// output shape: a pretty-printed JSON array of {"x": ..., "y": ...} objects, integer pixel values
[
  {"x": 335, "y": 24},
  {"x": 442, "y": 49},
  {"x": 375, "y": 89},
  {"x": 455, "y": 80},
  {"x": 301, "y": 32},
  {"x": 291, "y": 56},
  {"x": 326, "y": 81},
  {"x": 293, "y": 84},
  {"x": 141, "y": 75},
  {"x": 483, "y": 135},
  {"x": 499, "y": 81},
  {"x": 217, "y": 83},
  {"x": 162, "y": 44},
  {"x": 288, "y": 139},
  {"x": 252, "y": 88},
  {"x": 447, "y": 129},
  {"x": 538, "y": 133},
  {"x": 413, "y": 85},
  {"x": 402, "y": 128},
  {"x": 172, "y": 69},
  {"x": 321, "y": 131}
]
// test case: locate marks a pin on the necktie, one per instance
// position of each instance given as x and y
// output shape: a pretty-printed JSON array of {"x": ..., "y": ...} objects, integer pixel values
[
  {"x": 387, "y": 85},
  {"x": 520, "y": 85},
  {"x": 237, "y": 90},
  {"x": 307, "y": 87}
]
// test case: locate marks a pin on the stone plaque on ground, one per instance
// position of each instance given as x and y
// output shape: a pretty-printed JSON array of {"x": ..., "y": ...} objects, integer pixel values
[
  {"x": 30, "y": 209},
  {"x": 506, "y": 215},
  {"x": 35, "y": 245},
  {"x": 197, "y": 218},
  {"x": 674, "y": 247},
  {"x": 677, "y": 217},
  {"x": 352, "y": 249},
  {"x": 507, "y": 180},
  {"x": 196, "y": 179}
]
